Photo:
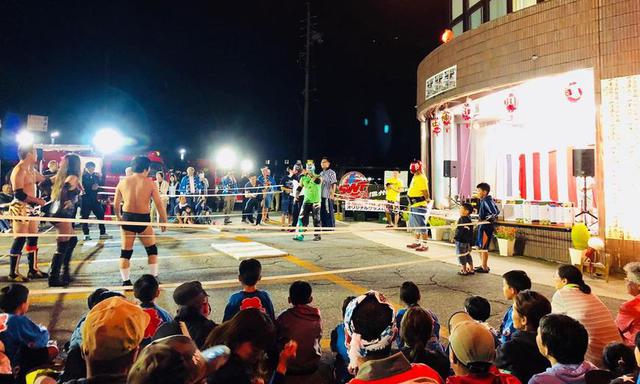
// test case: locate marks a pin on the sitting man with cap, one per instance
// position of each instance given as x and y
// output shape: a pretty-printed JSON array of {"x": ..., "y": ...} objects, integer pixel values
[
  {"x": 111, "y": 337},
  {"x": 370, "y": 329},
  {"x": 176, "y": 360},
  {"x": 192, "y": 315},
  {"x": 472, "y": 352}
]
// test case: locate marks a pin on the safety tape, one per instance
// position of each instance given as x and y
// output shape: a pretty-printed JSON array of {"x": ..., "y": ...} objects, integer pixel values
[
  {"x": 213, "y": 189},
  {"x": 215, "y": 283},
  {"x": 203, "y": 195}
]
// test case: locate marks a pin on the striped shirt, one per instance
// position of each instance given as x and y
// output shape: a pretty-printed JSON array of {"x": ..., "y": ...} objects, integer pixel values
[{"x": 590, "y": 312}]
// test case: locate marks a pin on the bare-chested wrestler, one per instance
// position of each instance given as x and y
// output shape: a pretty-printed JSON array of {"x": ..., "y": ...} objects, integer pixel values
[
  {"x": 25, "y": 203},
  {"x": 133, "y": 195}
]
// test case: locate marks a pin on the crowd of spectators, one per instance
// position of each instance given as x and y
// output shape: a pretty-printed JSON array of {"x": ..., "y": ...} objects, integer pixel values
[{"x": 571, "y": 338}]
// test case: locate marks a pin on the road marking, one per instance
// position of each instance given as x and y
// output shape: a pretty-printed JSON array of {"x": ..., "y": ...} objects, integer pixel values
[{"x": 247, "y": 250}]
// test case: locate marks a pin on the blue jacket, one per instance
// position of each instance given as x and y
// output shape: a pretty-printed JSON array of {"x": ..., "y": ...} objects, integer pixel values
[
  {"x": 229, "y": 185},
  {"x": 184, "y": 186},
  {"x": 243, "y": 300},
  {"x": 488, "y": 210},
  {"x": 506, "y": 328},
  {"x": 18, "y": 332},
  {"x": 157, "y": 316}
]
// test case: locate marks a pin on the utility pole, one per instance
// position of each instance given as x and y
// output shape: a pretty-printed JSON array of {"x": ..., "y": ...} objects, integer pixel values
[{"x": 307, "y": 69}]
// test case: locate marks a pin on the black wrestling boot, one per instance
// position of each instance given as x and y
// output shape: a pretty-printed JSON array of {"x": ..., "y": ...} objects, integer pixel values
[
  {"x": 66, "y": 268},
  {"x": 54, "y": 271},
  {"x": 34, "y": 273}
]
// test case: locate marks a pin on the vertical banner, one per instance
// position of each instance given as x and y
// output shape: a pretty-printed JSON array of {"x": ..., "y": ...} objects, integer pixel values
[{"x": 553, "y": 176}]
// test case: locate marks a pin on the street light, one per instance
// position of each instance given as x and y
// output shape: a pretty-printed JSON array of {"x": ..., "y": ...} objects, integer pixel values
[
  {"x": 24, "y": 138},
  {"x": 246, "y": 165},
  {"x": 53, "y": 135},
  {"x": 182, "y": 151},
  {"x": 226, "y": 158},
  {"x": 108, "y": 140}
]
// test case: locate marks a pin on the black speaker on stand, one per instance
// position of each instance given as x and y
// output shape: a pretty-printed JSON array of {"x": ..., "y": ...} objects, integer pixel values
[
  {"x": 451, "y": 171},
  {"x": 584, "y": 166}
]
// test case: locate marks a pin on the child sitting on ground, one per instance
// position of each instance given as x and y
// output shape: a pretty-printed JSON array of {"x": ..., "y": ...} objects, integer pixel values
[
  {"x": 146, "y": 289},
  {"x": 341, "y": 373},
  {"x": 513, "y": 282},
  {"x": 250, "y": 273},
  {"x": 26, "y": 344},
  {"x": 464, "y": 239},
  {"x": 302, "y": 324},
  {"x": 480, "y": 310},
  {"x": 410, "y": 296},
  {"x": 183, "y": 211}
]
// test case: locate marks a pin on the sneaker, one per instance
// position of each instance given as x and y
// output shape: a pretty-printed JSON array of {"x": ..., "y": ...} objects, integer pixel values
[
  {"x": 422, "y": 248},
  {"x": 105, "y": 237},
  {"x": 413, "y": 246},
  {"x": 35, "y": 274},
  {"x": 127, "y": 283},
  {"x": 298, "y": 238},
  {"x": 17, "y": 278},
  {"x": 317, "y": 238},
  {"x": 87, "y": 238},
  {"x": 482, "y": 270},
  {"x": 227, "y": 222}
]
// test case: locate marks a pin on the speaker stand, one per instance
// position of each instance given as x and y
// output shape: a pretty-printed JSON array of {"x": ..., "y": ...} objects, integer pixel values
[
  {"x": 585, "y": 207},
  {"x": 452, "y": 202}
]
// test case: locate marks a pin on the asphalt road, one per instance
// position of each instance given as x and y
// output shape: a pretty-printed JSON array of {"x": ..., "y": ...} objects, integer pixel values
[{"x": 187, "y": 255}]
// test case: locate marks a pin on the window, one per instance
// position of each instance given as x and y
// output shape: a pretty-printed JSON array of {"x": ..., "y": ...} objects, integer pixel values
[
  {"x": 475, "y": 19},
  {"x": 457, "y": 29},
  {"x": 497, "y": 8},
  {"x": 473, "y": 2},
  {"x": 456, "y": 8},
  {"x": 521, "y": 4}
]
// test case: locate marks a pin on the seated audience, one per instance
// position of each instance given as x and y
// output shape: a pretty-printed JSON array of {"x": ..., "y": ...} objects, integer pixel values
[
  {"x": 520, "y": 355},
  {"x": 370, "y": 325},
  {"x": 479, "y": 309},
  {"x": 564, "y": 342},
  {"x": 628, "y": 319},
  {"x": 410, "y": 296},
  {"x": 111, "y": 337},
  {"x": 574, "y": 298},
  {"x": 620, "y": 361},
  {"x": 513, "y": 282},
  {"x": 416, "y": 331},
  {"x": 176, "y": 360},
  {"x": 341, "y": 373},
  {"x": 146, "y": 289},
  {"x": 249, "y": 274},
  {"x": 183, "y": 211},
  {"x": 26, "y": 345},
  {"x": 248, "y": 335},
  {"x": 192, "y": 315},
  {"x": 472, "y": 353},
  {"x": 302, "y": 324}
]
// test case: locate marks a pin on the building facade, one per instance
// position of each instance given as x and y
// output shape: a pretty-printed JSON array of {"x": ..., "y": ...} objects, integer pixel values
[{"x": 521, "y": 87}]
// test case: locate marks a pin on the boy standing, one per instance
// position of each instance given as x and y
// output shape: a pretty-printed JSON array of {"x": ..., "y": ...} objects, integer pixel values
[
  {"x": 250, "y": 273},
  {"x": 513, "y": 282},
  {"x": 302, "y": 324},
  {"x": 393, "y": 188},
  {"x": 464, "y": 239},
  {"x": 146, "y": 289},
  {"x": 487, "y": 211}
]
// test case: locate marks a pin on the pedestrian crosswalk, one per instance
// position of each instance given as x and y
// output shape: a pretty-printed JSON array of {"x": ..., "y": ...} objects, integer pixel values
[{"x": 247, "y": 250}]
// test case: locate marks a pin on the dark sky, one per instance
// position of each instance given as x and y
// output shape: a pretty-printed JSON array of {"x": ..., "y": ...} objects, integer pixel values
[{"x": 205, "y": 74}]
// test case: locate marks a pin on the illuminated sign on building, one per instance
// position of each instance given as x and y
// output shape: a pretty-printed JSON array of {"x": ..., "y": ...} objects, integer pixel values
[{"x": 441, "y": 82}]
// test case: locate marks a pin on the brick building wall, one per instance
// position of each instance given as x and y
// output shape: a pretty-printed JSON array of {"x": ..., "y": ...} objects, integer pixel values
[{"x": 549, "y": 38}]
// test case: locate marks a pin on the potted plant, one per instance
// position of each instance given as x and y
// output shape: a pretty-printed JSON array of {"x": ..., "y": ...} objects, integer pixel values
[
  {"x": 438, "y": 228},
  {"x": 506, "y": 240},
  {"x": 580, "y": 239}
]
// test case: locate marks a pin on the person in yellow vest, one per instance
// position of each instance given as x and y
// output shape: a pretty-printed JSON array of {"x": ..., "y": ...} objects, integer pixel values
[
  {"x": 394, "y": 187},
  {"x": 418, "y": 196}
]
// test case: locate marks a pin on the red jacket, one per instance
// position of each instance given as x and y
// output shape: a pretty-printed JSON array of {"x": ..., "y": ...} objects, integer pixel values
[
  {"x": 628, "y": 320},
  {"x": 395, "y": 369}
]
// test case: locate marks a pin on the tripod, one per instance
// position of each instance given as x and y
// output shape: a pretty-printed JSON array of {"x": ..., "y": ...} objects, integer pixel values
[
  {"x": 453, "y": 202},
  {"x": 585, "y": 209}
]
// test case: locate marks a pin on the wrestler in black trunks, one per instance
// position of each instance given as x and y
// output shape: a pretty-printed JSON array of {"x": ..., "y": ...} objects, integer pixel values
[{"x": 138, "y": 217}]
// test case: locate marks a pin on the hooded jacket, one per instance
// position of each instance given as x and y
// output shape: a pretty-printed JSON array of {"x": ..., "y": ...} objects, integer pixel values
[
  {"x": 302, "y": 323},
  {"x": 564, "y": 374}
]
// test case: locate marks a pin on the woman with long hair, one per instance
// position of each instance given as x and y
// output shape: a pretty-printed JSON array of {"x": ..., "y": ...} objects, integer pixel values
[
  {"x": 416, "y": 332},
  {"x": 574, "y": 298},
  {"x": 65, "y": 195}
]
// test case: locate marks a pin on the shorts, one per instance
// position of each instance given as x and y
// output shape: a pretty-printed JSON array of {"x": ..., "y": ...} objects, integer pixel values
[
  {"x": 485, "y": 234},
  {"x": 418, "y": 219},
  {"x": 268, "y": 200},
  {"x": 20, "y": 208},
  {"x": 393, "y": 207},
  {"x": 127, "y": 216},
  {"x": 286, "y": 204}
]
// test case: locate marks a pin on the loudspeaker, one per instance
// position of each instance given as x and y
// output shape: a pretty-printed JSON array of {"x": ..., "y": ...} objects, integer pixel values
[
  {"x": 584, "y": 162},
  {"x": 450, "y": 168}
]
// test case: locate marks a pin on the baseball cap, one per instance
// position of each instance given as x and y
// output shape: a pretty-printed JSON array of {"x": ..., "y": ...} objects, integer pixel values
[
  {"x": 471, "y": 341},
  {"x": 187, "y": 293},
  {"x": 113, "y": 328},
  {"x": 176, "y": 359}
]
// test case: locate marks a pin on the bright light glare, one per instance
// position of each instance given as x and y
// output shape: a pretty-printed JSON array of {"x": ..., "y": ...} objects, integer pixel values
[
  {"x": 24, "y": 138},
  {"x": 108, "y": 140},
  {"x": 182, "y": 151},
  {"x": 226, "y": 158},
  {"x": 55, "y": 134},
  {"x": 246, "y": 165}
]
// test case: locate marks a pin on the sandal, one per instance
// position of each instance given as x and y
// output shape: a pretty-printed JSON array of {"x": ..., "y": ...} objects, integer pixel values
[
  {"x": 465, "y": 273},
  {"x": 482, "y": 270}
]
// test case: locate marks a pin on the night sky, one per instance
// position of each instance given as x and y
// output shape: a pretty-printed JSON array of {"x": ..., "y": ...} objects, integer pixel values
[{"x": 206, "y": 74}]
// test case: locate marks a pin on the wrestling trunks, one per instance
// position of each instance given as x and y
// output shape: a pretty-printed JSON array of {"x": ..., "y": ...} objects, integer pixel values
[
  {"x": 20, "y": 208},
  {"x": 139, "y": 217}
]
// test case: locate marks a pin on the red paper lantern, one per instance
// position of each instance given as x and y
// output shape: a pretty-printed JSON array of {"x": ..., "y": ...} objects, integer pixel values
[
  {"x": 447, "y": 36},
  {"x": 511, "y": 103},
  {"x": 466, "y": 111},
  {"x": 573, "y": 92},
  {"x": 435, "y": 126},
  {"x": 446, "y": 120}
]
